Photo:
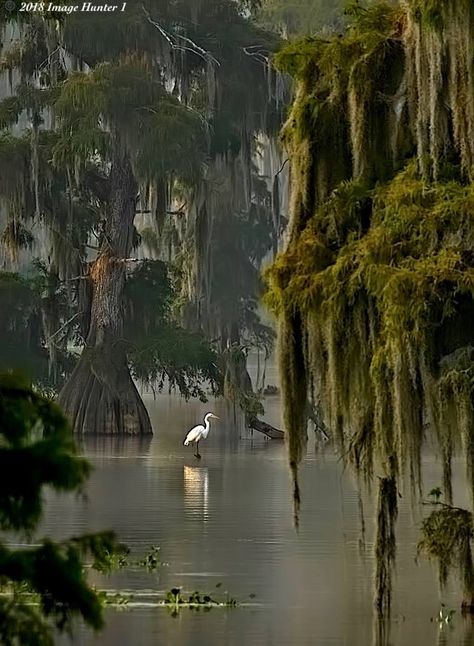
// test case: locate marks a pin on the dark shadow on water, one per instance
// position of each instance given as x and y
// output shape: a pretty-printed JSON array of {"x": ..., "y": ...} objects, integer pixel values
[{"x": 115, "y": 446}]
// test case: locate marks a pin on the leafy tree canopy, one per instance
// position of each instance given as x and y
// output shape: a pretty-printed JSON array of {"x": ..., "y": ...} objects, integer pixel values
[{"x": 44, "y": 586}]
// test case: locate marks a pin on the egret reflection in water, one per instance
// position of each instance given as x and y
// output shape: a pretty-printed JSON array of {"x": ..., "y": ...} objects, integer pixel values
[{"x": 196, "y": 491}]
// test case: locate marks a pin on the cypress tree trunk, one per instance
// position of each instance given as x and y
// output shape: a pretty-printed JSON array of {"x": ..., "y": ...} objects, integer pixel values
[{"x": 100, "y": 396}]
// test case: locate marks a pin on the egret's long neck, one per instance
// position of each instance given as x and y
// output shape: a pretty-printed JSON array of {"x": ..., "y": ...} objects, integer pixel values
[{"x": 207, "y": 424}]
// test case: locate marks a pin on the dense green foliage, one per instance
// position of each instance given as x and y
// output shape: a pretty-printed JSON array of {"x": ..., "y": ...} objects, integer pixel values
[
  {"x": 36, "y": 450},
  {"x": 160, "y": 351},
  {"x": 447, "y": 536},
  {"x": 382, "y": 293},
  {"x": 31, "y": 305},
  {"x": 19, "y": 316}
]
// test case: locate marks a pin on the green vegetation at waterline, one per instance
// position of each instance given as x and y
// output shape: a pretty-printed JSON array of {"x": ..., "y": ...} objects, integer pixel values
[
  {"x": 375, "y": 291},
  {"x": 176, "y": 599},
  {"x": 173, "y": 600},
  {"x": 120, "y": 559}
]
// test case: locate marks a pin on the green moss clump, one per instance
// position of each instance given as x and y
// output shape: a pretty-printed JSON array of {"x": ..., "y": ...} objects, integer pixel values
[
  {"x": 341, "y": 112},
  {"x": 375, "y": 299},
  {"x": 439, "y": 37},
  {"x": 447, "y": 534}
]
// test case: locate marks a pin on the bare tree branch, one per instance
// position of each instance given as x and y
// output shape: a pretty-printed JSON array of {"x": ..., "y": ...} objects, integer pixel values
[
  {"x": 261, "y": 55},
  {"x": 171, "y": 39},
  {"x": 283, "y": 166},
  {"x": 76, "y": 315}
]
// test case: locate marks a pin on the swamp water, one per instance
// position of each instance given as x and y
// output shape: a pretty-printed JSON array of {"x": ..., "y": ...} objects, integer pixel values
[{"x": 228, "y": 519}]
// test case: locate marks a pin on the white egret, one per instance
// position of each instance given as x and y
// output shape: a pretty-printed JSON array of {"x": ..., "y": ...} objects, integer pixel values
[{"x": 199, "y": 432}]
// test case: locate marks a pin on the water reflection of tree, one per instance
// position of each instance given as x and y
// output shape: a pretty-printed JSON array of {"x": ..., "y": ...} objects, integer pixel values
[
  {"x": 116, "y": 446},
  {"x": 468, "y": 631},
  {"x": 381, "y": 631}
]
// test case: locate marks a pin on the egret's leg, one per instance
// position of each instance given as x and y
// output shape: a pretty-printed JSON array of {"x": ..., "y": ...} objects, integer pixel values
[{"x": 197, "y": 451}]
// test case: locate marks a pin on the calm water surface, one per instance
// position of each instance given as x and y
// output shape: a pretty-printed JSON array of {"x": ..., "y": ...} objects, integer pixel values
[{"x": 228, "y": 519}]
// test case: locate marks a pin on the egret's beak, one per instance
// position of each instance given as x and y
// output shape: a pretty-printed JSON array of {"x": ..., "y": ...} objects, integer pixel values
[{"x": 215, "y": 417}]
